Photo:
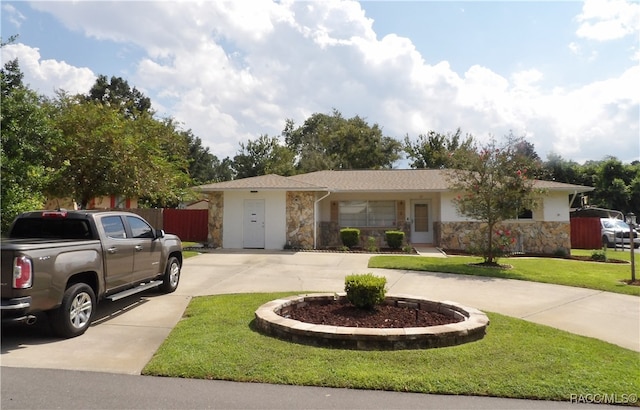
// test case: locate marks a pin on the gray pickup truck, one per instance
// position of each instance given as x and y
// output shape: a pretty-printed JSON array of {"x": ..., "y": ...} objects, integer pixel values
[{"x": 65, "y": 262}]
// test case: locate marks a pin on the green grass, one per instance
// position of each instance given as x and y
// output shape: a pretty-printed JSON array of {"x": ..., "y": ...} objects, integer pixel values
[
  {"x": 518, "y": 359},
  {"x": 189, "y": 254},
  {"x": 592, "y": 275}
]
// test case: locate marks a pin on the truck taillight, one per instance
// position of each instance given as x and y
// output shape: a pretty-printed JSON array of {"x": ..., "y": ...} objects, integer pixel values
[{"x": 22, "y": 273}]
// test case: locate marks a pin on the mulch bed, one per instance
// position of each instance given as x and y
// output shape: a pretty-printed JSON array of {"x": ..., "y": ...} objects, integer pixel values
[{"x": 383, "y": 316}]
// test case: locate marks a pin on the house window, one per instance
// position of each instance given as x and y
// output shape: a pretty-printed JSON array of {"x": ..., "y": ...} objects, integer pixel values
[
  {"x": 525, "y": 214},
  {"x": 367, "y": 214}
]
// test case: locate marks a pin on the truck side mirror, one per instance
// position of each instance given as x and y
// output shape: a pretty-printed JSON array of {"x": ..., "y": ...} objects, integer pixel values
[{"x": 159, "y": 234}]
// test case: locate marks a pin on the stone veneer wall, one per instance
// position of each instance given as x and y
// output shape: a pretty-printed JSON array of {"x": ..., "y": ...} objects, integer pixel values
[
  {"x": 216, "y": 213},
  {"x": 532, "y": 237},
  {"x": 299, "y": 214}
]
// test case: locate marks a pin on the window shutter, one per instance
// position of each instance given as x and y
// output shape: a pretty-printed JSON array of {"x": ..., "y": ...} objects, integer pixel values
[
  {"x": 400, "y": 211},
  {"x": 334, "y": 211}
]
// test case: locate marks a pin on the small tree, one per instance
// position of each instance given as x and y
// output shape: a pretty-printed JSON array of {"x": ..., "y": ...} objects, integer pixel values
[{"x": 494, "y": 187}]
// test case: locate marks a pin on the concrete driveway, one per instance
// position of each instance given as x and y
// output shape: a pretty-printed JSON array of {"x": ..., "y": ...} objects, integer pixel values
[{"x": 126, "y": 333}]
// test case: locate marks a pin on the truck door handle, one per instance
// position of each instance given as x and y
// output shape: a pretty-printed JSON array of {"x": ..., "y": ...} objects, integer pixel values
[
  {"x": 112, "y": 250},
  {"x": 139, "y": 248}
]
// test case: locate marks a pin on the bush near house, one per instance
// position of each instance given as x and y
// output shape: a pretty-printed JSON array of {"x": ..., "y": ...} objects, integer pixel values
[
  {"x": 350, "y": 237},
  {"x": 394, "y": 239}
]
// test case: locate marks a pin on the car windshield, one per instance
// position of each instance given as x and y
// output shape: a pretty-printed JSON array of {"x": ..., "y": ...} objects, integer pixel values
[
  {"x": 616, "y": 224},
  {"x": 621, "y": 225}
]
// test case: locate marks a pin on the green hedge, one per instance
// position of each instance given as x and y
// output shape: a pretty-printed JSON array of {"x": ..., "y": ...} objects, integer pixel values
[
  {"x": 350, "y": 237},
  {"x": 394, "y": 239},
  {"x": 365, "y": 291}
]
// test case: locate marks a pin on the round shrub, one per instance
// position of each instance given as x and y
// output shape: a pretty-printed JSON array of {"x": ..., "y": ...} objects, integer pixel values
[
  {"x": 350, "y": 237},
  {"x": 365, "y": 291}
]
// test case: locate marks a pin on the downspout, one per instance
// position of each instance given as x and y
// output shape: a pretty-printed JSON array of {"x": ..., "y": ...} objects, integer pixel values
[{"x": 315, "y": 221}]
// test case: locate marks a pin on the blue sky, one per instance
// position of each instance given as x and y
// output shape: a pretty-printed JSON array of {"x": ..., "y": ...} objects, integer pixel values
[{"x": 564, "y": 74}]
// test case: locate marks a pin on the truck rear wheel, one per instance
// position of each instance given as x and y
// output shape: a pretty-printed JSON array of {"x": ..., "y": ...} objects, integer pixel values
[
  {"x": 74, "y": 315},
  {"x": 171, "y": 276}
]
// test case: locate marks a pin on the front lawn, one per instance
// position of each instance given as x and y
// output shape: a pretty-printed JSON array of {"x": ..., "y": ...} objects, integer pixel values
[
  {"x": 519, "y": 359},
  {"x": 608, "y": 277}
]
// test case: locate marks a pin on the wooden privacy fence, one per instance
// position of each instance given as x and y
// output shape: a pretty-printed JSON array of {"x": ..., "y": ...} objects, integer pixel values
[
  {"x": 190, "y": 225},
  {"x": 586, "y": 233}
]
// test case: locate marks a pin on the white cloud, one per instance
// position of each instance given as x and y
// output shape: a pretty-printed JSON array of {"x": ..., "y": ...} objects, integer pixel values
[
  {"x": 575, "y": 48},
  {"x": 15, "y": 17},
  {"x": 47, "y": 76},
  {"x": 604, "y": 20},
  {"x": 231, "y": 71}
]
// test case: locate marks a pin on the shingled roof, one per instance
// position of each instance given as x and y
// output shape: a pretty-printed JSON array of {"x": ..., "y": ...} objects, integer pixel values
[
  {"x": 387, "y": 180},
  {"x": 262, "y": 182}
]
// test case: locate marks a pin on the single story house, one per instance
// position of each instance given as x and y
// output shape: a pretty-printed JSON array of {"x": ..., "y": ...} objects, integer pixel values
[{"x": 308, "y": 210}]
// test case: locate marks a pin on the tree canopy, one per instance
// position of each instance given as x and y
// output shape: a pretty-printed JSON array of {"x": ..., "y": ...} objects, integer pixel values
[
  {"x": 263, "y": 156},
  {"x": 333, "y": 142},
  {"x": 27, "y": 145},
  {"x": 435, "y": 150},
  {"x": 116, "y": 93},
  {"x": 103, "y": 152}
]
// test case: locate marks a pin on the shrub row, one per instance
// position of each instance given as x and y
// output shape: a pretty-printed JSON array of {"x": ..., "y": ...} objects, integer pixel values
[{"x": 351, "y": 237}]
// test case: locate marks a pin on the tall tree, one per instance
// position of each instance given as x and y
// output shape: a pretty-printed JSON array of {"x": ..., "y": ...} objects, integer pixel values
[
  {"x": 559, "y": 169},
  {"x": 116, "y": 93},
  {"x": 27, "y": 146},
  {"x": 201, "y": 161},
  {"x": 435, "y": 150},
  {"x": 494, "y": 187},
  {"x": 333, "y": 142},
  {"x": 262, "y": 156},
  {"x": 612, "y": 184}
]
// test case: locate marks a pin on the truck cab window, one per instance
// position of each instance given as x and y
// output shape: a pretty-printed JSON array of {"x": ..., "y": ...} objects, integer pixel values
[
  {"x": 139, "y": 228},
  {"x": 113, "y": 227}
]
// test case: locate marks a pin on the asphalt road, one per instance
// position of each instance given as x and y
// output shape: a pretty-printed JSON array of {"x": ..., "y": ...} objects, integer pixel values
[{"x": 63, "y": 389}]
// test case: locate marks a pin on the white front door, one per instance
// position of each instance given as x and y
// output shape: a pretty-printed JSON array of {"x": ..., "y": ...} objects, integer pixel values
[
  {"x": 253, "y": 229},
  {"x": 421, "y": 226}
]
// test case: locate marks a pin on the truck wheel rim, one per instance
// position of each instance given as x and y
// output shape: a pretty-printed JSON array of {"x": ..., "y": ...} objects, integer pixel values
[
  {"x": 174, "y": 274},
  {"x": 80, "y": 312}
]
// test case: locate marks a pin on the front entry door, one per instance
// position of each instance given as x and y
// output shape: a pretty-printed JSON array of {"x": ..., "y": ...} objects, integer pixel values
[
  {"x": 253, "y": 229},
  {"x": 421, "y": 230}
]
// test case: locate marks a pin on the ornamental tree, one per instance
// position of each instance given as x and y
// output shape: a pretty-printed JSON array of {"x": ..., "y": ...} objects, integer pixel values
[{"x": 493, "y": 186}]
